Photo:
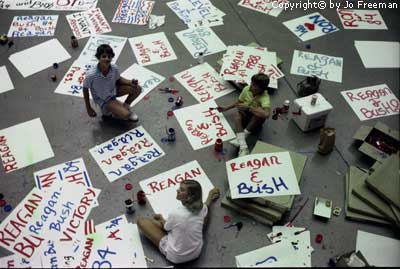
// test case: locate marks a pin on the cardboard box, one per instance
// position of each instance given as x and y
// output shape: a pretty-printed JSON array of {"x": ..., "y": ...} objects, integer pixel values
[{"x": 378, "y": 142}]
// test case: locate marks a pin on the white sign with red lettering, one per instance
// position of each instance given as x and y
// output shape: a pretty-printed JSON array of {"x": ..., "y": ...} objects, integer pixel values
[
  {"x": 323, "y": 66},
  {"x": 73, "y": 172},
  {"x": 203, "y": 124},
  {"x": 147, "y": 79},
  {"x": 361, "y": 19},
  {"x": 201, "y": 40},
  {"x": 152, "y": 49},
  {"x": 18, "y": 150},
  {"x": 240, "y": 63},
  {"x": 161, "y": 189},
  {"x": 264, "y": 6},
  {"x": 260, "y": 175},
  {"x": 72, "y": 82},
  {"x": 310, "y": 26},
  {"x": 372, "y": 102},
  {"x": 14, "y": 261},
  {"x": 88, "y": 53},
  {"x": 204, "y": 83},
  {"x": 125, "y": 153},
  {"x": 87, "y": 23}
]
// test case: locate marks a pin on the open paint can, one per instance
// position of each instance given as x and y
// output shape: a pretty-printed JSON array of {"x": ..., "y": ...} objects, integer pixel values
[
  {"x": 218, "y": 147},
  {"x": 171, "y": 134}
]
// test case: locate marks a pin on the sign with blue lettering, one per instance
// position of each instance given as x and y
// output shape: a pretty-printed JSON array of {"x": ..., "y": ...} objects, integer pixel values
[
  {"x": 72, "y": 82},
  {"x": 133, "y": 12},
  {"x": 73, "y": 172},
  {"x": 319, "y": 65},
  {"x": 197, "y": 13},
  {"x": 310, "y": 26},
  {"x": 36, "y": 25},
  {"x": 161, "y": 189},
  {"x": 201, "y": 40},
  {"x": 147, "y": 79},
  {"x": 260, "y": 175},
  {"x": 280, "y": 254},
  {"x": 62, "y": 5},
  {"x": 125, "y": 153}
]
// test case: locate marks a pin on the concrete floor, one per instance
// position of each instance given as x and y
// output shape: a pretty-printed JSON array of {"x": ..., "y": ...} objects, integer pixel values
[{"x": 72, "y": 133}]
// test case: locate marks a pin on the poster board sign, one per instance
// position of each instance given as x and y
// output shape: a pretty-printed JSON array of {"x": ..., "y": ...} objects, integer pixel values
[
  {"x": 313, "y": 64},
  {"x": 260, "y": 175},
  {"x": 161, "y": 189},
  {"x": 125, "y": 153},
  {"x": 152, "y": 49},
  {"x": 33, "y": 25},
  {"x": 201, "y": 40},
  {"x": 88, "y": 53},
  {"x": 197, "y": 13},
  {"x": 379, "y": 54},
  {"x": 310, "y": 26},
  {"x": 361, "y": 19},
  {"x": 61, "y": 5},
  {"x": 72, "y": 82},
  {"x": 264, "y": 6},
  {"x": 372, "y": 102},
  {"x": 52, "y": 49},
  {"x": 203, "y": 125},
  {"x": 280, "y": 254},
  {"x": 147, "y": 79},
  {"x": 72, "y": 171},
  {"x": 240, "y": 63},
  {"x": 133, "y": 12},
  {"x": 13, "y": 261},
  {"x": 115, "y": 244},
  {"x": 6, "y": 82},
  {"x": 204, "y": 83},
  {"x": 18, "y": 150},
  {"x": 87, "y": 23}
]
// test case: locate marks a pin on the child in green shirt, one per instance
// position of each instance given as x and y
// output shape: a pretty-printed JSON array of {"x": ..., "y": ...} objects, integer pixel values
[{"x": 253, "y": 108}]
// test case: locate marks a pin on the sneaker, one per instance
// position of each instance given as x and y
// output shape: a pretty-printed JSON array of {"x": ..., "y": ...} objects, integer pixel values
[
  {"x": 234, "y": 142},
  {"x": 133, "y": 116},
  {"x": 243, "y": 151}
]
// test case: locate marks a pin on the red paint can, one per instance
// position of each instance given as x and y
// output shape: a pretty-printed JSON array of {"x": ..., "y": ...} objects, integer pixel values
[
  {"x": 318, "y": 238},
  {"x": 218, "y": 147},
  {"x": 141, "y": 197}
]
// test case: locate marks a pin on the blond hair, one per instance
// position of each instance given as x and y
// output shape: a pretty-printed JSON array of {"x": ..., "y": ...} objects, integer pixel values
[{"x": 194, "y": 201}]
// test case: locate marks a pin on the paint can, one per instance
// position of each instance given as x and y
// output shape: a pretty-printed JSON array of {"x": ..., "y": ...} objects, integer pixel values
[
  {"x": 200, "y": 58},
  {"x": 171, "y": 134},
  {"x": 141, "y": 197},
  {"x": 219, "y": 146},
  {"x": 286, "y": 105},
  {"x": 74, "y": 42},
  {"x": 3, "y": 39},
  {"x": 179, "y": 101},
  {"x": 130, "y": 209},
  {"x": 53, "y": 77},
  {"x": 314, "y": 98}
]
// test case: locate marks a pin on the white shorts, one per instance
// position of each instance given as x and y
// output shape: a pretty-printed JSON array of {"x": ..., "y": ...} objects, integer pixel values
[{"x": 163, "y": 245}]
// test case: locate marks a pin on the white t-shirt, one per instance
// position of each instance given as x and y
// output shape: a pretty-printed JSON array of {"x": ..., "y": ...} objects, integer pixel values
[{"x": 185, "y": 234}]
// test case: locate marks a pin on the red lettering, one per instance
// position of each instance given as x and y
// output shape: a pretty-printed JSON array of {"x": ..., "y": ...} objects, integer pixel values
[{"x": 153, "y": 186}]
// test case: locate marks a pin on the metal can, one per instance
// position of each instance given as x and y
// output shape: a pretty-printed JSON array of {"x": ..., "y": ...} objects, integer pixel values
[
  {"x": 179, "y": 101},
  {"x": 171, "y": 134},
  {"x": 286, "y": 105},
  {"x": 130, "y": 209},
  {"x": 200, "y": 58},
  {"x": 314, "y": 98},
  {"x": 74, "y": 42},
  {"x": 218, "y": 147}
]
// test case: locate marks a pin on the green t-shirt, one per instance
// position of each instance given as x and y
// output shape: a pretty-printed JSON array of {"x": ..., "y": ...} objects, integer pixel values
[{"x": 247, "y": 98}]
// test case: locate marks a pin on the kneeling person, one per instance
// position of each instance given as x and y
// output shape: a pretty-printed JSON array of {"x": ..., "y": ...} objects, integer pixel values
[{"x": 106, "y": 84}]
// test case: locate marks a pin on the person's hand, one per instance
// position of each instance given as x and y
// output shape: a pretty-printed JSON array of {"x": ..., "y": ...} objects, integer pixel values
[
  {"x": 135, "y": 82},
  {"x": 91, "y": 112},
  {"x": 242, "y": 107}
]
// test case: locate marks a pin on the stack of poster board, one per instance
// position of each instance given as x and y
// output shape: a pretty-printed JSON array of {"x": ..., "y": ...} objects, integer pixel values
[
  {"x": 370, "y": 201},
  {"x": 269, "y": 209}
]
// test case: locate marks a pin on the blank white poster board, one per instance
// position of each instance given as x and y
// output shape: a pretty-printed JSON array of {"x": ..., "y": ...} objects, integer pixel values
[
  {"x": 24, "y": 144},
  {"x": 379, "y": 54},
  {"x": 380, "y": 251},
  {"x": 6, "y": 82},
  {"x": 39, "y": 57}
]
